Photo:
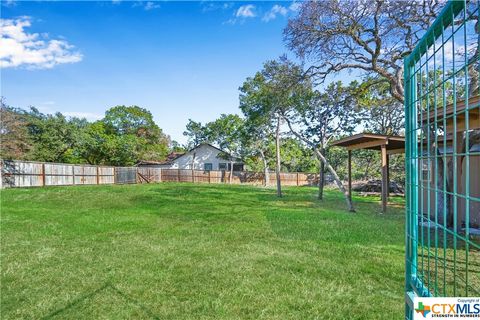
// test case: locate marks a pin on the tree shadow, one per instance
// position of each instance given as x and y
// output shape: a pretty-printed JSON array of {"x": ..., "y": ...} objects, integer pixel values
[{"x": 103, "y": 289}]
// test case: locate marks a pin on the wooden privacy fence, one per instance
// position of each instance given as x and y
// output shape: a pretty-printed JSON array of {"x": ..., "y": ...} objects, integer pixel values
[{"x": 37, "y": 174}]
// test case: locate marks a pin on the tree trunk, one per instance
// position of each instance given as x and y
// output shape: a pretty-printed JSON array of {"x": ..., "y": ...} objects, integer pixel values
[
  {"x": 193, "y": 167},
  {"x": 337, "y": 179},
  {"x": 230, "y": 179},
  {"x": 329, "y": 168},
  {"x": 266, "y": 175},
  {"x": 277, "y": 169},
  {"x": 321, "y": 177}
]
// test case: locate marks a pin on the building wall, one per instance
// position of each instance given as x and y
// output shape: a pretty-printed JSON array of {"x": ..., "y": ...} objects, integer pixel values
[
  {"x": 203, "y": 154},
  {"x": 426, "y": 195}
]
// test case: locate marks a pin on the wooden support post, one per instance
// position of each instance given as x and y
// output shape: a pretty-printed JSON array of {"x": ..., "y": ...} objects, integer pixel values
[
  {"x": 73, "y": 175},
  {"x": 209, "y": 178},
  {"x": 458, "y": 177},
  {"x": 193, "y": 175},
  {"x": 178, "y": 175},
  {"x": 388, "y": 175},
  {"x": 43, "y": 174},
  {"x": 298, "y": 180},
  {"x": 98, "y": 175},
  {"x": 384, "y": 178},
  {"x": 160, "y": 175},
  {"x": 349, "y": 169}
]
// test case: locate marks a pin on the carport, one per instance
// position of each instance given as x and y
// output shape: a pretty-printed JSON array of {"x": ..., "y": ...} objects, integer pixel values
[{"x": 387, "y": 145}]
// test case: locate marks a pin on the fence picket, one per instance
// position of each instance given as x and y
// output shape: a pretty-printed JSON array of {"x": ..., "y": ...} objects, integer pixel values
[{"x": 17, "y": 173}]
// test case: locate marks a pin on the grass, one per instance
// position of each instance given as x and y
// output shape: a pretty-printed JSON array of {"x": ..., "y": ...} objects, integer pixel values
[{"x": 184, "y": 251}]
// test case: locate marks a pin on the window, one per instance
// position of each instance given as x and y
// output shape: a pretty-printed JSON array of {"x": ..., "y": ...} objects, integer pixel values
[
  {"x": 207, "y": 166},
  {"x": 222, "y": 166},
  {"x": 238, "y": 167}
]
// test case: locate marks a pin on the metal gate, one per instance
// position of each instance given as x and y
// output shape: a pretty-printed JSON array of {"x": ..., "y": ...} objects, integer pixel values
[{"x": 443, "y": 158}]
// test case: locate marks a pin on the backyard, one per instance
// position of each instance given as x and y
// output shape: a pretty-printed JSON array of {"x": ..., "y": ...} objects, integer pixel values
[{"x": 185, "y": 251}]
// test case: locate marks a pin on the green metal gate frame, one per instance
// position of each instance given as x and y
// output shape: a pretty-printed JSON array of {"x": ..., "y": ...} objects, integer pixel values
[{"x": 437, "y": 254}]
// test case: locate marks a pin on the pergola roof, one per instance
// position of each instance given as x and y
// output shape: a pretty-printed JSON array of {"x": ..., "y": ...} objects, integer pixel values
[{"x": 393, "y": 144}]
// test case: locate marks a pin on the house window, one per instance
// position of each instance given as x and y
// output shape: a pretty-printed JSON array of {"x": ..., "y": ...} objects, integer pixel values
[
  {"x": 222, "y": 166},
  {"x": 238, "y": 167},
  {"x": 207, "y": 166}
]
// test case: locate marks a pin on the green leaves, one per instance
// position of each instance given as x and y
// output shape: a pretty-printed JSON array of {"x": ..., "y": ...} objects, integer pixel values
[{"x": 124, "y": 136}]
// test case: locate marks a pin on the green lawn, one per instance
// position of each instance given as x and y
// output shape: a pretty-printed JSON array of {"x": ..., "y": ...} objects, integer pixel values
[{"x": 184, "y": 251}]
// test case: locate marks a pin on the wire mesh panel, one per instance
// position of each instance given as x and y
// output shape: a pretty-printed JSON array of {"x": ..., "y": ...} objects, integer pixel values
[
  {"x": 125, "y": 175},
  {"x": 442, "y": 108}
]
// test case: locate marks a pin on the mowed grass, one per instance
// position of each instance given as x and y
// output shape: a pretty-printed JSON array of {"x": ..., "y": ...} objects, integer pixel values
[{"x": 185, "y": 251}]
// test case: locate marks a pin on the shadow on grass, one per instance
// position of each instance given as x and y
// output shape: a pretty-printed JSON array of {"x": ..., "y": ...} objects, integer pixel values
[{"x": 107, "y": 286}]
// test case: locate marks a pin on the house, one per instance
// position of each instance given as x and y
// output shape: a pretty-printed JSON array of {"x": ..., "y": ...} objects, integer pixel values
[
  {"x": 205, "y": 156},
  {"x": 448, "y": 172}
]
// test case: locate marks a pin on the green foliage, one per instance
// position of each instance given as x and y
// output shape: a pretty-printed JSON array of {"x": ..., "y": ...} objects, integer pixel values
[
  {"x": 135, "y": 131},
  {"x": 196, "y": 133},
  {"x": 124, "y": 136},
  {"x": 53, "y": 136},
  {"x": 324, "y": 115},
  {"x": 384, "y": 114},
  {"x": 296, "y": 157},
  {"x": 272, "y": 92},
  {"x": 226, "y": 132},
  {"x": 14, "y": 137}
]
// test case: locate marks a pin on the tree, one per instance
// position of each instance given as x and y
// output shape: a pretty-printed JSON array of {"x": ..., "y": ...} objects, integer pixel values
[
  {"x": 14, "y": 137},
  {"x": 175, "y": 146},
  {"x": 384, "y": 114},
  {"x": 53, "y": 136},
  {"x": 322, "y": 117},
  {"x": 270, "y": 94},
  {"x": 138, "y": 124},
  {"x": 196, "y": 133},
  {"x": 297, "y": 157},
  {"x": 93, "y": 144},
  {"x": 256, "y": 140},
  {"x": 226, "y": 132},
  {"x": 372, "y": 37}
]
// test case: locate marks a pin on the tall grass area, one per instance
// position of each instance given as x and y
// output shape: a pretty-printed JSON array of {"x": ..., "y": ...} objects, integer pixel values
[{"x": 185, "y": 251}]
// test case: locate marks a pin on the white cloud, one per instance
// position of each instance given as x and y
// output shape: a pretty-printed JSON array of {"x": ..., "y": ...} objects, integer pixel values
[
  {"x": 32, "y": 50},
  {"x": 274, "y": 11},
  {"x": 90, "y": 116},
  {"x": 243, "y": 12},
  {"x": 208, "y": 6},
  {"x": 246, "y": 11},
  {"x": 150, "y": 5},
  {"x": 147, "y": 5}
]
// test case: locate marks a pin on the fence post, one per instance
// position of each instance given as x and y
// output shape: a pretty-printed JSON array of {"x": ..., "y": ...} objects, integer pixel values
[
  {"x": 298, "y": 182},
  {"x": 178, "y": 175},
  {"x": 193, "y": 175},
  {"x": 98, "y": 178},
  {"x": 73, "y": 175},
  {"x": 160, "y": 175},
  {"x": 43, "y": 174},
  {"x": 209, "y": 179}
]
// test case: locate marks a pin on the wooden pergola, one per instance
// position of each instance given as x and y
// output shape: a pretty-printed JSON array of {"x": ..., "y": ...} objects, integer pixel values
[{"x": 387, "y": 145}]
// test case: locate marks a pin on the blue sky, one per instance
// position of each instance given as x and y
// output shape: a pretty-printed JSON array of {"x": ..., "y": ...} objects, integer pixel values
[{"x": 180, "y": 60}]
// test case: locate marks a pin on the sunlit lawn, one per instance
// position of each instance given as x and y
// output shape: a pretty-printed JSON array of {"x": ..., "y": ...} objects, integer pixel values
[{"x": 184, "y": 251}]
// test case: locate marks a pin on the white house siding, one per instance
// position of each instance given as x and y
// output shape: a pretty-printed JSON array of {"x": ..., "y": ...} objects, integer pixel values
[{"x": 203, "y": 154}]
